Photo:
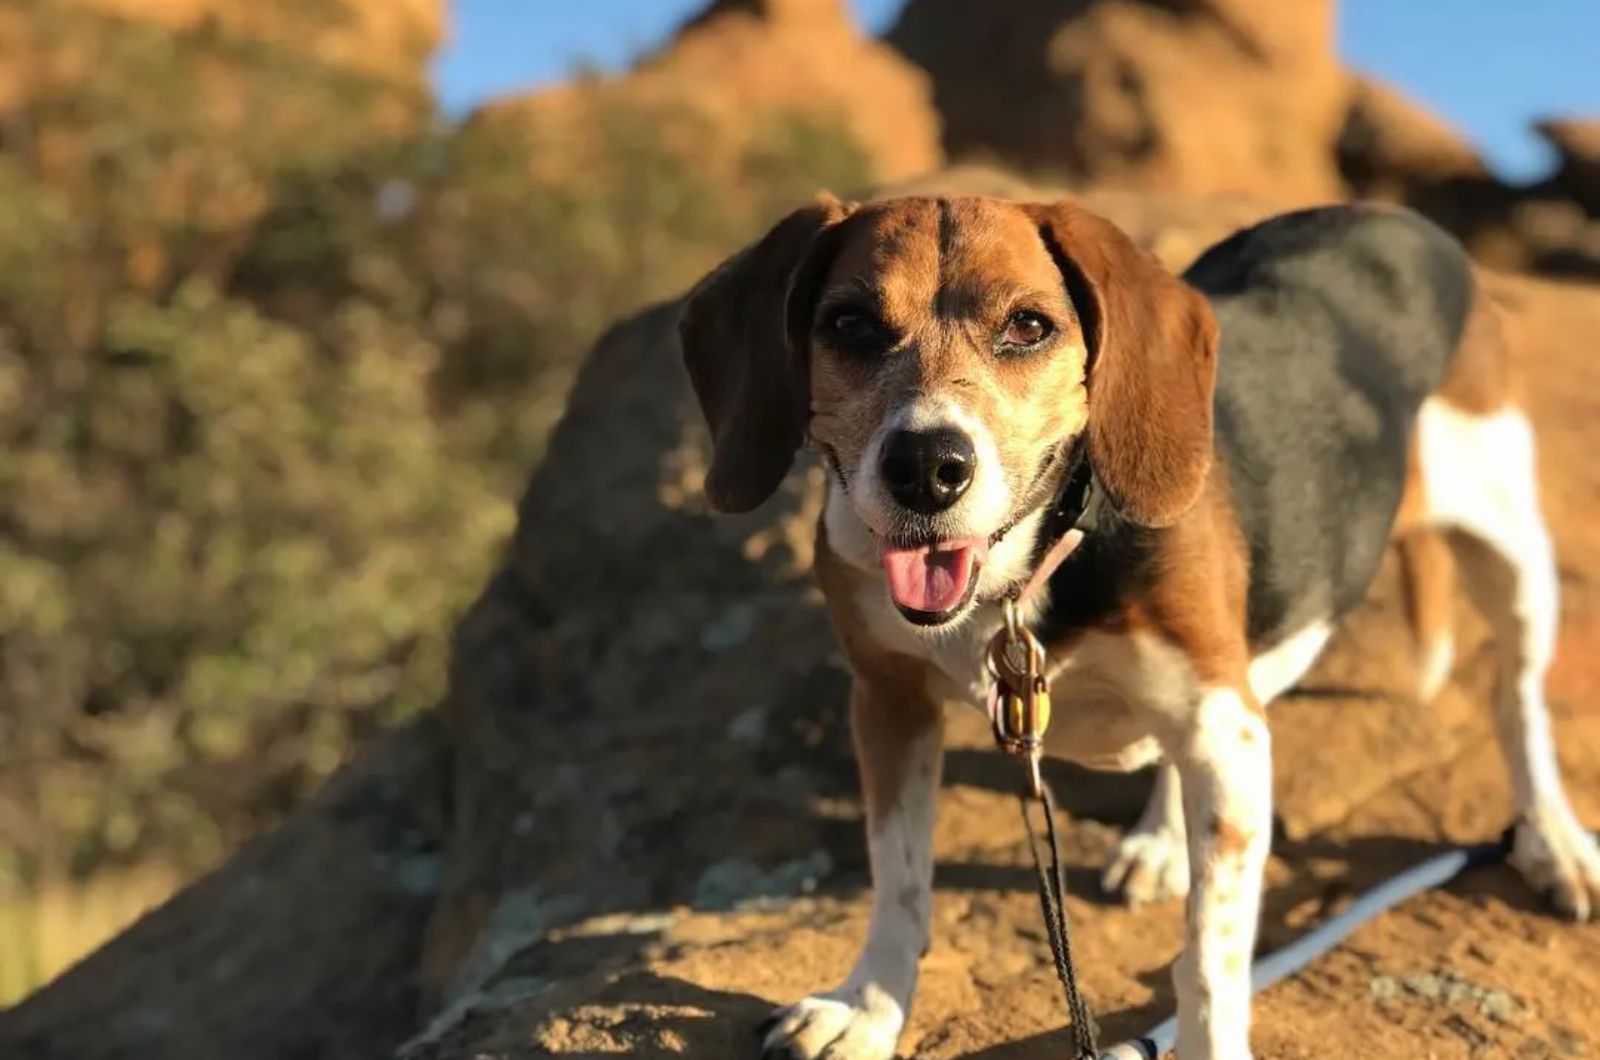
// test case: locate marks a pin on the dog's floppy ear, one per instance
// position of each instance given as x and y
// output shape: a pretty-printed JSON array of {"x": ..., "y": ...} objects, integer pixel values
[
  {"x": 1152, "y": 344},
  {"x": 745, "y": 332}
]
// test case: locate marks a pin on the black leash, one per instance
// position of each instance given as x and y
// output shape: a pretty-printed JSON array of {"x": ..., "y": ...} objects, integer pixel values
[
  {"x": 1019, "y": 708},
  {"x": 1052, "y": 901}
]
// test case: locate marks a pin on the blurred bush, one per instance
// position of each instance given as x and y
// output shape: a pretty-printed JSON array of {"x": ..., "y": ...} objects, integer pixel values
[
  {"x": 277, "y": 346},
  {"x": 546, "y": 223}
]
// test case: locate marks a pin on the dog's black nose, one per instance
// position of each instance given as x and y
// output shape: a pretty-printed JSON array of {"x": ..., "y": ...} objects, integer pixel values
[{"x": 928, "y": 471}]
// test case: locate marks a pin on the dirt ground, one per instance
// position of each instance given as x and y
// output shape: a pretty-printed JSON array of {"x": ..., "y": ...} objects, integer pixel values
[
  {"x": 1368, "y": 781},
  {"x": 1475, "y": 970}
]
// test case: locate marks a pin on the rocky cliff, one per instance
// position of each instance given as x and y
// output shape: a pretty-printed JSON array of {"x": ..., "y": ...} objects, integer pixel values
[
  {"x": 738, "y": 64},
  {"x": 1198, "y": 96}
]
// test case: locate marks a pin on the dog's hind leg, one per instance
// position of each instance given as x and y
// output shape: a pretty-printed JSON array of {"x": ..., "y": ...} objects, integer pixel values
[
  {"x": 1479, "y": 479},
  {"x": 1151, "y": 863},
  {"x": 1428, "y": 575}
]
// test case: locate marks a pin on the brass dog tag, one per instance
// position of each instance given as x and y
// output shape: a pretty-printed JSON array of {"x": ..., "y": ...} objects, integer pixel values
[
  {"x": 1038, "y": 719},
  {"x": 1024, "y": 713},
  {"x": 1022, "y": 695},
  {"x": 1010, "y": 718}
]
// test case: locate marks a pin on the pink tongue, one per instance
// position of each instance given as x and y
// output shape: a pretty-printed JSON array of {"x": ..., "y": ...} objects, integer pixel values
[{"x": 922, "y": 579}]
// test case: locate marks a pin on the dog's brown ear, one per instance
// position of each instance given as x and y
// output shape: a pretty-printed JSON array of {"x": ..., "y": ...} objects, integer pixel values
[
  {"x": 745, "y": 332},
  {"x": 1152, "y": 344}
]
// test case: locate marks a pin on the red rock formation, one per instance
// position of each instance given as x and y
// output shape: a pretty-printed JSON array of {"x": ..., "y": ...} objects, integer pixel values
[
  {"x": 1391, "y": 144},
  {"x": 1577, "y": 142},
  {"x": 1183, "y": 95},
  {"x": 740, "y": 61}
]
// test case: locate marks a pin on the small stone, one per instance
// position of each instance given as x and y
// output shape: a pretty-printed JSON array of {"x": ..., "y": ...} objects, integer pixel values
[
  {"x": 1501, "y": 1007},
  {"x": 735, "y": 882},
  {"x": 748, "y": 728},
  {"x": 419, "y": 874},
  {"x": 1426, "y": 986},
  {"x": 731, "y": 629}
]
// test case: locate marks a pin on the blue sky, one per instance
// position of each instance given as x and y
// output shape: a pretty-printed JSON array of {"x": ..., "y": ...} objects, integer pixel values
[{"x": 1488, "y": 66}]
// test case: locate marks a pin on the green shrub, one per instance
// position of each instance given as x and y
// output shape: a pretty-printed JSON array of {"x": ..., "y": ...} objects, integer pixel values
[
  {"x": 194, "y": 492},
  {"x": 539, "y": 239},
  {"x": 267, "y": 390},
  {"x": 236, "y": 554}
]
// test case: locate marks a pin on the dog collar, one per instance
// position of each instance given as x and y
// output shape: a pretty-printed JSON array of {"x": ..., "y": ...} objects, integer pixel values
[
  {"x": 1077, "y": 505},
  {"x": 1074, "y": 513}
]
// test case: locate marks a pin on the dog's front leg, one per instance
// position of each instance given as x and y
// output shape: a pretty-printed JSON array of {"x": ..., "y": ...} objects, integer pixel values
[
  {"x": 899, "y": 748},
  {"x": 1224, "y": 758}
]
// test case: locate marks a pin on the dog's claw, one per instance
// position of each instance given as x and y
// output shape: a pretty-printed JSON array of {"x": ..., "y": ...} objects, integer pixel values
[
  {"x": 1562, "y": 861},
  {"x": 1148, "y": 866},
  {"x": 1570, "y": 903}
]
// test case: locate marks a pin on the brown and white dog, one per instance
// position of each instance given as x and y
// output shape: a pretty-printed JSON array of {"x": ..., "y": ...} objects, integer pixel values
[{"x": 1258, "y": 431}]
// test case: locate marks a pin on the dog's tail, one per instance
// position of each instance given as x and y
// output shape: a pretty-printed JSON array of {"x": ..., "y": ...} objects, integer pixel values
[{"x": 1429, "y": 576}]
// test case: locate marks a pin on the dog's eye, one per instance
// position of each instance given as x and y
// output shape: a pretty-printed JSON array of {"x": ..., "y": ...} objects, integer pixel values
[
  {"x": 854, "y": 328},
  {"x": 1025, "y": 328}
]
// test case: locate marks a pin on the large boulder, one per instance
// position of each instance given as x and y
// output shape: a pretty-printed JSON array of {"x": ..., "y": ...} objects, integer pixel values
[
  {"x": 1394, "y": 149},
  {"x": 740, "y": 65},
  {"x": 1577, "y": 145},
  {"x": 1198, "y": 96},
  {"x": 809, "y": 54},
  {"x": 1391, "y": 146}
]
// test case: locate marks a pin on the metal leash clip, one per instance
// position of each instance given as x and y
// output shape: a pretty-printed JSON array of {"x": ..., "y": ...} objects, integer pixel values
[{"x": 1020, "y": 704}]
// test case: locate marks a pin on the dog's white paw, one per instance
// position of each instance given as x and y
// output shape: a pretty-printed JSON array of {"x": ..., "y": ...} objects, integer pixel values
[
  {"x": 1148, "y": 866},
  {"x": 1561, "y": 860},
  {"x": 844, "y": 1025}
]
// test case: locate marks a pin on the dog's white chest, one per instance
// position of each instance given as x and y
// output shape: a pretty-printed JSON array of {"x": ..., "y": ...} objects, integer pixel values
[
  {"x": 1097, "y": 688},
  {"x": 1093, "y": 686}
]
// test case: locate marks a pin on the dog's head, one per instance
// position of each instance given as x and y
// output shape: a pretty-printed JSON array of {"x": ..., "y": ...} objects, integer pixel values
[{"x": 946, "y": 356}]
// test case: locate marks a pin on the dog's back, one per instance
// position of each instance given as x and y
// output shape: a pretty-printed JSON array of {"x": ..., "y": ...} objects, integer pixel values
[{"x": 1337, "y": 323}]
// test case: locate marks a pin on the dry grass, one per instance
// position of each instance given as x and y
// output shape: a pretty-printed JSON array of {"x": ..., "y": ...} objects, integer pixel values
[{"x": 57, "y": 922}]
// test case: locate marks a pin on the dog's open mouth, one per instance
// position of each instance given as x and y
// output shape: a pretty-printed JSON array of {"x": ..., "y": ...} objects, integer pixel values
[{"x": 932, "y": 583}]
